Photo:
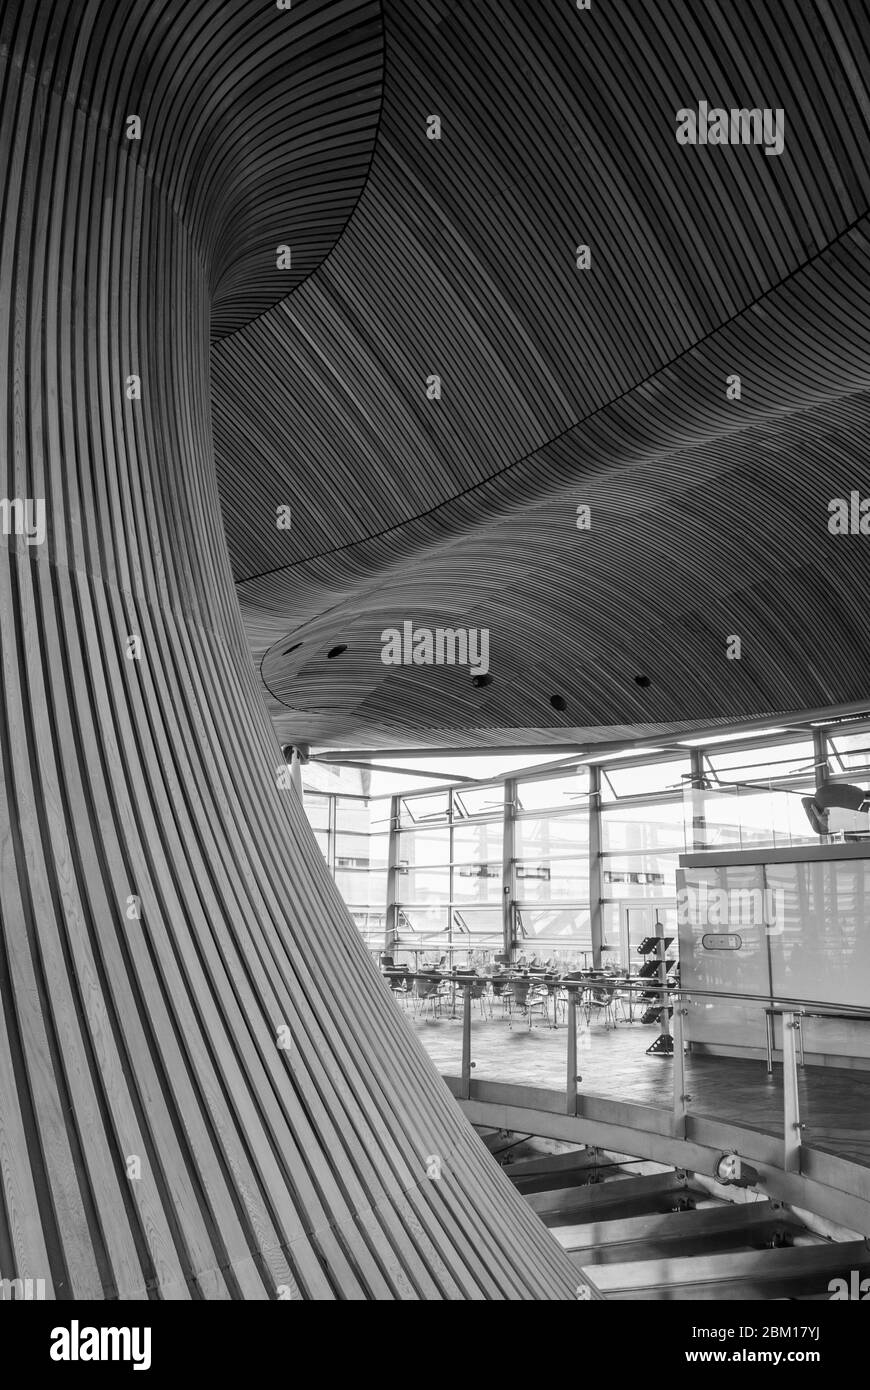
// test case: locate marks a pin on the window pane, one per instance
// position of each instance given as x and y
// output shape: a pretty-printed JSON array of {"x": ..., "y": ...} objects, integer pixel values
[
  {"x": 417, "y": 810},
  {"x": 541, "y": 837},
  {"x": 424, "y": 847},
  {"x": 655, "y": 825},
  {"x": 361, "y": 888},
  {"x": 478, "y": 842},
  {"x": 423, "y": 885},
  {"x": 478, "y": 801},
  {"x": 477, "y": 921},
  {"x": 559, "y": 878},
  {"x": 317, "y": 810},
  {"x": 360, "y": 816},
  {"x": 360, "y": 851},
  {"x": 566, "y": 927},
  {"x": 639, "y": 875},
  {"x": 557, "y": 793},
  {"x": 610, "y": 926},
  {"x": 422, "y": 922},
  {"x": 774, "y": 760},
  {"x": 851, "y": 751},
  {"x": 639, "y": 781},
  {"x": 477, "y": 883}
]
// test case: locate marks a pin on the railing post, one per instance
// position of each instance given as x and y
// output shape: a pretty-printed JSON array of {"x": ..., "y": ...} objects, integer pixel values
[
  {"x": 571, "y": 1085},
  {"x": 791, "y": 1103},
  {"x": 680, "y": 1097},
  {"x": 466, "y": 1040}
]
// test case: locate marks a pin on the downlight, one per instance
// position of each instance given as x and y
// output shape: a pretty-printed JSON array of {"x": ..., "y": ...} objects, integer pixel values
[
  {"x": 559, "y": 703},
  {"x": 643, "y": 681},
  {"x": 336, "y": 651},
  {"x": 480, "y": 681}
]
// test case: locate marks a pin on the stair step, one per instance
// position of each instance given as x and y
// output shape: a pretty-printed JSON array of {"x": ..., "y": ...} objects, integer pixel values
[
  {"x": 631, "y": 1196},
  {"x": 801, "y": 1271},
  {"x": 728, "y": 1227}
]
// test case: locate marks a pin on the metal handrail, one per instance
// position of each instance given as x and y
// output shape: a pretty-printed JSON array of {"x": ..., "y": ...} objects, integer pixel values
[
  {"x": 651, "y": 986},
  {"x": 792, "y": 1013}
]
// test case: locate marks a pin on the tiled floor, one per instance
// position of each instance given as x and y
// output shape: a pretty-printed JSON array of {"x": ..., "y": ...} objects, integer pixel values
[{"x": 835, "y": 1104}]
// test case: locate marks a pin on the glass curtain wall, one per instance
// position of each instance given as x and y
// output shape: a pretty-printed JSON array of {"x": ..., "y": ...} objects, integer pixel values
[
  {"x": 549, "y": 868},
  {"x": 642, "y": 836},
  {"x": 353, "y": 832},
  {"x": 448, "y": 882},
  {"x": 477, "y": 863}
]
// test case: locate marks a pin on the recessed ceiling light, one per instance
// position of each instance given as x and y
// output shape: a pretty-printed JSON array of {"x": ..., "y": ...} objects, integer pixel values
[
  {"x": 336, "y": 651},
  {"x": 292, "y": 649},
  {"x": 642, "y": 681},
  {"x": 727, "y": 738},
  {"x": 479, "y": 681},
  {"x": 558, "y": 702}
]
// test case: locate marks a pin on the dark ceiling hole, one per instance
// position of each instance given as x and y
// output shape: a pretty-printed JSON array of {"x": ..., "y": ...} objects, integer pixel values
[
  {"x": 479, "y": 681},
  {"x": 292, "y": 649},
  {"x": 558, "y": 702},
  {"x": 336, "y": 651},
  {"x": 642, "y": 681}
]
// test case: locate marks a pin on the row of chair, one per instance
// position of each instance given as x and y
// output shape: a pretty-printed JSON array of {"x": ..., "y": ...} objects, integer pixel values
[{"x": 526, "y": 997}]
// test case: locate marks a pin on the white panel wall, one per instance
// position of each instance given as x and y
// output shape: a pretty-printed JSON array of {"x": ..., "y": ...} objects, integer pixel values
[
  {"x": 815, "y": 948},
  {"x": 744, "y": 970}
]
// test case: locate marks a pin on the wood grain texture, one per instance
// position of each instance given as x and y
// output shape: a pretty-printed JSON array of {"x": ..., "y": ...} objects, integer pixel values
[
  {"x": 263, "y": 1171},
  {"x": 563, "y": 387}
]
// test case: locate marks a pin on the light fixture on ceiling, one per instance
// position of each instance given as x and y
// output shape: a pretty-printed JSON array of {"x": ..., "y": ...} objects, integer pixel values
[
  {"x": 336, "y": 651},
  {"x": 727, "y": 738},
  {"x": 841, "y": 719},
  {"x": 625, "y": 753}
]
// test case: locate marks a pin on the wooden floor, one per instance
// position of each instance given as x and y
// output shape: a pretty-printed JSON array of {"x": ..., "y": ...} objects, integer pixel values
[{"x": 835, "y": 1104}]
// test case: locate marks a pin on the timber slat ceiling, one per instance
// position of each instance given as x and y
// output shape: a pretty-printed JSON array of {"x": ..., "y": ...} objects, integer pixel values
[
  {"x": 563, "y": 387},
  {"x": 205, "y": 1089}
]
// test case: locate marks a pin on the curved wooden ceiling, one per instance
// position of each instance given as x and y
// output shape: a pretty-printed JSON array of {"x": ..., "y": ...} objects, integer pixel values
[
  {"x": 563, "y": 387},
  {"x": 205, "y": 1089}
]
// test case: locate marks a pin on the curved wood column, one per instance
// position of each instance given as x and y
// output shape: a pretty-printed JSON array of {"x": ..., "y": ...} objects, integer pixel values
[{"x": 205, "y": 1090}]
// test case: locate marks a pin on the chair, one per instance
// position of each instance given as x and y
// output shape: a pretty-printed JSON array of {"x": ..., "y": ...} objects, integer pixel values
[
  {"x": 555, "y": 996},
  {"x": 602, "y": 1001},
  {"x": 401, "y": 985},
  {"x": 430, "y": 995},
  {"x": 501, "y": 989},
  {"x": 530, "y": 994},
  {"x": 479, "y": 993}
]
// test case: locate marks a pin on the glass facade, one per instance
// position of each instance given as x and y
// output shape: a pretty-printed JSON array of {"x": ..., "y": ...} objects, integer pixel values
[{"x": 480, "y": 866}]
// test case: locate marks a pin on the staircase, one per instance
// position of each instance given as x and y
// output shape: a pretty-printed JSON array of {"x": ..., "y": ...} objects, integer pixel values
[{"x": 662, "y": 1236}]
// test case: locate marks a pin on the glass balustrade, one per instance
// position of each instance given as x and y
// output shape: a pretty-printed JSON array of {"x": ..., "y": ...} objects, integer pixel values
[{"x": 577, "y": 1045}]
